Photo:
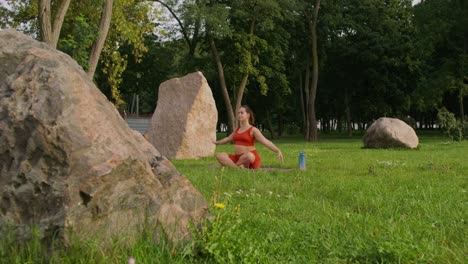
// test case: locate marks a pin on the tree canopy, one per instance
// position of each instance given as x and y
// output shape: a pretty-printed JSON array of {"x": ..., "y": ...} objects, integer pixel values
[{"x": 371, "y": 58}]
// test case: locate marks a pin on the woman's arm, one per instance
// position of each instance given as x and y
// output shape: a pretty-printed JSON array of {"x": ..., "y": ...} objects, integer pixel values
[
  {"x": 224, "y": 140},
  {"x": 267, "y": 143}
]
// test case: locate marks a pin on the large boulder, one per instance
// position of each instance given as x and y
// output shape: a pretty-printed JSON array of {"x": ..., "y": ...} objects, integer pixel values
[
  {"x": 184, "y": 123},
  {"x": 390, "y": 133},
  {"x": 69, "y": 162}
]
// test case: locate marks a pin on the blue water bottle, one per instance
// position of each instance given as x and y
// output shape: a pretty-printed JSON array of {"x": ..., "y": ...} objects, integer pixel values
[{"x": 302, "y": 161}]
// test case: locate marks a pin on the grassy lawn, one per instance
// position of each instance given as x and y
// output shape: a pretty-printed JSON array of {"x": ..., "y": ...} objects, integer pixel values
[{"x": 350, "y": 205}]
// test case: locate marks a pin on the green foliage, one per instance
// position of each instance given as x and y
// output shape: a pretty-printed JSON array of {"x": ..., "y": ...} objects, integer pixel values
[
  {"x": 441, "y": 47},
  {"x": 130, "y": 24},
  {"x": 216, "y": 16},
  {"x": 31, "y": 251},
  {"x": 131, "y": 21},
  {"x": 370, "y": 49},
  {"x": 225, "y": 240},
  {"x": 143, "y": 78},
  {"x": 21, "y": 15},
  {"x": 450, "y": 125},
  {"x": 465, "y": 128},
  {"x": 79, "y": 40},
  {"x": 376, "y": 58}
]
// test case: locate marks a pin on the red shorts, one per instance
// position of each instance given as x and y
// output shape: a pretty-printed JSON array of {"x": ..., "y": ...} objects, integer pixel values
[{"x": 254, "y": 165}]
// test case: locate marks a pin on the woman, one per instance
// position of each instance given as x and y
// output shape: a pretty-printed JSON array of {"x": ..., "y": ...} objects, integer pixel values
[{"x": 246, "y": 156}]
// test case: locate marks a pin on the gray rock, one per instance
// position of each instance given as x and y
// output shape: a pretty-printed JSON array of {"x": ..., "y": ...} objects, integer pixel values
[
  {"x": 184, "y": 123},
  {"x": 390, "y": 133},
  {"x": 69, "y": 162}
]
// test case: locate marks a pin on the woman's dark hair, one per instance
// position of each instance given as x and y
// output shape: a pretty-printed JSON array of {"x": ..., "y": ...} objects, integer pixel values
[{"x": 249, "y": 111}]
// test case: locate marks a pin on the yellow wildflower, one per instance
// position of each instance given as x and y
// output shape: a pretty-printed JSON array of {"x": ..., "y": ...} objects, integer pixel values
[{"x": 219, "y": 205}]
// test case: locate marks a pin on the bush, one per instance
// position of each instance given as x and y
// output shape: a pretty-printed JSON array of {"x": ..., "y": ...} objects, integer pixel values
[
  {"x": 450, "y": 125},
  {"x": 225, "y": 240},
  {"x": 293, "y": 129},
  {"x": 465, "y": 128}
]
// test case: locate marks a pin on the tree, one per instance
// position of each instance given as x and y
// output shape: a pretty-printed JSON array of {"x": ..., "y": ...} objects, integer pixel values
[
  {"x": 244, "y": 46},
  {"x": 442, "y": 44},
  {"x": 370, "y": 59},
  {"x": 131, "y": 22},
  {"x": 312, "y": 19},
  {"x": 102, "y": 35},
  {"x": 233, "y": 24},
  {"x": 50, "y": 34},
  {"x": 121, "y": 21}
]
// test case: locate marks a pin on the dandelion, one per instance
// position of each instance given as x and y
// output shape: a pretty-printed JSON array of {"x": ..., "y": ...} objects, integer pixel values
[
  {"x": 131, "y": 260},
  {"x": 222, "y": 169},
  {"x": 219, "y": 205}
]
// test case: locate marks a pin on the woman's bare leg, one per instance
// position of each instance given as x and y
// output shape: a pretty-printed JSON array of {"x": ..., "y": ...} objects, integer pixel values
[
  {"x": 224, "y": 160},
  {"x": 245, "y": 160}
]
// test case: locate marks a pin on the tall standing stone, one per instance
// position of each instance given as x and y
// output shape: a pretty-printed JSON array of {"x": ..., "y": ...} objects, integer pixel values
[
  {"x": 69, "y": 162},
  {"x": 184, "y": 123}
]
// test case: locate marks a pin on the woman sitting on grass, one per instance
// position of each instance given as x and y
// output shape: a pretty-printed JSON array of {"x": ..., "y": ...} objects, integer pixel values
[{"x": 246, "y": 156}]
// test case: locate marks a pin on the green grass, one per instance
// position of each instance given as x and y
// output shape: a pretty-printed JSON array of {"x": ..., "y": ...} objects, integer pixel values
[{"x": 351, "y": 205}]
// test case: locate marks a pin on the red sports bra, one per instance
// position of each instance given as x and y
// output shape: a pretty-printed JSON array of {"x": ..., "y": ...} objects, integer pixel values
[{"x": 244, "y": 138}]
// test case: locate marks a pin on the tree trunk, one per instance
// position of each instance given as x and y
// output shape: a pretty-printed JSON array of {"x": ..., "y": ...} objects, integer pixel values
[
  {"x": 339, "y": 124},
  {"x": 48, "y": 34},
  {"x": 99, "y": 43},
  {"x": 45, "y": 28},
  {"x": 196, "y": 32},
  {"x": 191, "y": 43},
  {"x": 463, "y": 90},
  {"x": 348, "y": 114},
  {"x": 280, "y": 124},
  {"x": 243, "y": 84},
  {"x": 222, "y": 81},
  {"x": 269, "y": 124},
  {"x": 313, "y": 134},
  {"x": 306, "y": 102},
  {"x": 301, "y": 96},
  {"x": 462, "y": 111}
]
